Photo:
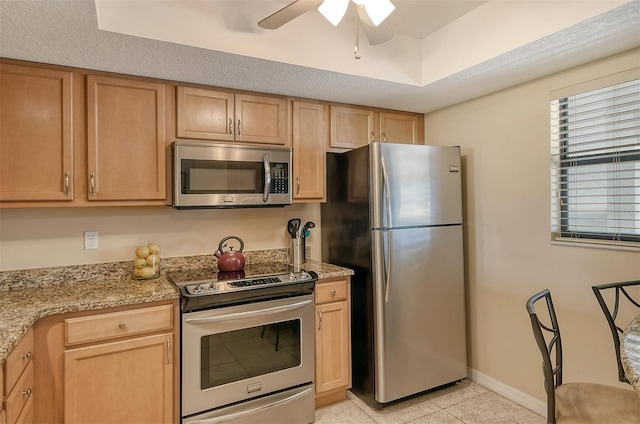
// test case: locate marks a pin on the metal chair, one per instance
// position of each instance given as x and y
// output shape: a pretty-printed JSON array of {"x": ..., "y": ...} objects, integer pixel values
[
  {"x": 572, "y": 403},
  {"x": 612, "y": 314}
]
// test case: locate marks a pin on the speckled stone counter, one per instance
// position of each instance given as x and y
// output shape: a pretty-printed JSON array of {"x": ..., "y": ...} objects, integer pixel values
[
  {"x": 630, "y": 353},
  {"x": 28, "y": 295}
]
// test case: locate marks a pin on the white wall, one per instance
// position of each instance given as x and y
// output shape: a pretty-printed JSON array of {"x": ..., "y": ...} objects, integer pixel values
[
  {"x": 45, "y": 237},
  {"x": 505, "y": 144}
]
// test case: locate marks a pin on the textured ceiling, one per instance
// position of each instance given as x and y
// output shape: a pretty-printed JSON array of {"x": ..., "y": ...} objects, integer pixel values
[{"x": 67, "y": 33}]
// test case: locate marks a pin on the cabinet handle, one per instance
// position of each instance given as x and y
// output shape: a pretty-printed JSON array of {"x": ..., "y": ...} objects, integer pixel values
[
  {"x": 27, "y": 392},
  {"x": 230, "y": 127},
  {"x": 66, "y": 183},
  {"x": 26, "y": 355},
  {"x": 239, "y": 128},
  {"x": 333, "y": 293},
  {"x": 168, "y": 351},
  {"x": 373, "y": 137},
  {"x": 384, "y": 137},
  {"x": 122, "y": 325},
  {"x": 92, "y": 191},
  {"x": 319, "y": 320},
  {"x": 297, "y": 185}
]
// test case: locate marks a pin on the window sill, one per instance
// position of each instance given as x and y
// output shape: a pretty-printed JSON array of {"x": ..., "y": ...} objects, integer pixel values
[{"x": 595, "y": 244}]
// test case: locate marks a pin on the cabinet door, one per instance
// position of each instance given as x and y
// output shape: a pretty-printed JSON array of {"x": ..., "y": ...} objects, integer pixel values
[
  {"x": 351, "y": 127},
  {"x": 309, "y": 145},
  {"x": 204, "y": 114},
  {"x": 36, "y": 147},
  {"x": 400, "y": 128},
  {"x": 126, "y": 139},
  {"x": 332, "y": 346},
  {"x": 129, "y": 381},
  {"x": 261, "y": 119}
]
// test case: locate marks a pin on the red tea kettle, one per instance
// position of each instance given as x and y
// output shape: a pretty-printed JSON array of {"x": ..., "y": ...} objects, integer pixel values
[{"x": 230, "y": 260}]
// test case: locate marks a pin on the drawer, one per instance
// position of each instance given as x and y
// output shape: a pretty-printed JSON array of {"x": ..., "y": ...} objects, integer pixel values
[
  {"x": 329, "y": 291},
  {"x": 26, "y": 416},
  {"x": 18, "y": 398},
  {"x": 118, "y": 324},
  {"x": 17, "y": 361}
]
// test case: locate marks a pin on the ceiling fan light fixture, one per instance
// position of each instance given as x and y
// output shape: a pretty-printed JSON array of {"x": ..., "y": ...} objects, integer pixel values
[
  {"x": 334, "y": 10},
  {"x": 378, "y": 10}
]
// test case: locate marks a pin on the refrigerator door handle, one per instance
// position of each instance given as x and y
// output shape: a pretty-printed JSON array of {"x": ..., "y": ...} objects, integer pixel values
[{"x": 387, "y": 191}]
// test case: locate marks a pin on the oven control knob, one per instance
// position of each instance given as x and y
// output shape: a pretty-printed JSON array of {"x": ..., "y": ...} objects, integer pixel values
[
  {"x": 292, "y": 276},
  {"x": 197, "y": 288},
  {"x": 213, "y": 287}
]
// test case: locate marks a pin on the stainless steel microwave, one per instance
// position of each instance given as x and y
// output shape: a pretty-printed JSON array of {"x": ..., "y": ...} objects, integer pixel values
[{"x": 230, "y": 175}]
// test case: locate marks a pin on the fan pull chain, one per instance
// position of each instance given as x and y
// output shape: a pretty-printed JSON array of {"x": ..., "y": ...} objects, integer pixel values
[{"x": 356, "y": 50}]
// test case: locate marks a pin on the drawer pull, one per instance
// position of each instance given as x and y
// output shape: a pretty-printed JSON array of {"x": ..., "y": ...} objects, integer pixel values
[
  {"x": 333, "y": 293},
  {"x": 122, "y": 325},
  {"x": 27, "y": 355},
  {"x": 27, "y": 392},
  {"x": 319, "y": 320},
  {"x": 168, "y": 351}
]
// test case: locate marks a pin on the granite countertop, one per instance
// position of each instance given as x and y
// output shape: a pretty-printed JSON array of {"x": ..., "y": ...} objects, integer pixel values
[
  {"x": 28, "y": 295},
  {"x": 630, "y": 353}
]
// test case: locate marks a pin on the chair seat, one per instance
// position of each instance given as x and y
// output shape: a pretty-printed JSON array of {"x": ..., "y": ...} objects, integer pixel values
[{"x": 583, "y": 403}]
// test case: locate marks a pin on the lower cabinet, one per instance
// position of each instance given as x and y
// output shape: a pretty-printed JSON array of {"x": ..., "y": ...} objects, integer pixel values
[
  {"x": 332, "y": 339},
  {"x": 129, "y": 381},
  {"x": 18, "y": 383},
  {"x": 113, "y": 366}
]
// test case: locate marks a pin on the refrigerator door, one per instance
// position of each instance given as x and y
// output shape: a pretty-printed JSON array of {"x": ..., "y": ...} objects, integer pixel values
[
  {"x": 414, "y": 185},
  {"x": 419, "y": 311}
]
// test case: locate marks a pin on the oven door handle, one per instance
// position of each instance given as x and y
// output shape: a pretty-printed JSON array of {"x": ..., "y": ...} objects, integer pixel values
[
  {"x": 248, "y": 314},
  {"x": 252, "y": 411}
]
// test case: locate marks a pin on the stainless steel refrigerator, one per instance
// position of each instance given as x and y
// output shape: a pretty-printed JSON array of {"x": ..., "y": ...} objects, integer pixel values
[{"x": 394, "y": 215}]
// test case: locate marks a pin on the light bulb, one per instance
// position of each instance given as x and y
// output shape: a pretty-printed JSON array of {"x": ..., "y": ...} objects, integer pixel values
[{"x": 334, "y": 10}]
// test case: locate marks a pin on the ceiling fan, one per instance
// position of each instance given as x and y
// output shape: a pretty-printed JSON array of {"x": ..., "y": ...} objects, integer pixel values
[{"x": 372, "y": 14}]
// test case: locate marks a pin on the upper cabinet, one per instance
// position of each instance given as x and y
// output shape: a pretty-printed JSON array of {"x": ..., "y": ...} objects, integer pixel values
[
  {"x": 36, "y": 136},
  {"x": 225, "y": 116},
  {"x": 125, "y": 139},
  {"x": 406, "y": 128},
  {"x": 351, "y": 127},
  {"x": 309, "y": 133}
]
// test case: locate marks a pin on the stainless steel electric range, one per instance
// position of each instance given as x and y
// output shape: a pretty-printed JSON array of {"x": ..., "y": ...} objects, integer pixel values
[{"x": 247, "y": 344}]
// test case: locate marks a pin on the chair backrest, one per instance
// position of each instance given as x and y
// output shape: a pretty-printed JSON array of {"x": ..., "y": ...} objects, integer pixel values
[
  {"x": 611, "y": 314},
  {"x": 547, "y": 335}
]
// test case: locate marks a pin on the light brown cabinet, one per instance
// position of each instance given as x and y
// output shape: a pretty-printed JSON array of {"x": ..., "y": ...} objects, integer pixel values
[
  {"x": 118, "y": 365},
  {"x": 351, "y": 127},
  {"x": 125, "y": 139},
  {"x": 120, "y": 381},
  {"x": 207, "y": 114},
  {"x": 36, "y": 136},
  {"x": 402, "y": 128},
  {"x": 333, "y": 340},
  {"x": 308, "y": 138},
  {"x": 18, "y": 382}
]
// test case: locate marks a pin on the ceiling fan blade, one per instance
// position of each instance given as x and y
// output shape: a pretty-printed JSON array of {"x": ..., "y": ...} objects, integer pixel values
[
  {"x": 376, "y": 34},
  {"x": 288, "y": 13}
]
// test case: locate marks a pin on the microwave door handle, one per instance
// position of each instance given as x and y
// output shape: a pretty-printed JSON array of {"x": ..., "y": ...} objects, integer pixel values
[
  {"x": 267, "y": 177},
  {"x": 252, "y": 411}
]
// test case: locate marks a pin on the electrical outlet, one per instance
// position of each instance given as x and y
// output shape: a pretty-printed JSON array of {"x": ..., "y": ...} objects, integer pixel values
[{"x": 90, "y": 240}]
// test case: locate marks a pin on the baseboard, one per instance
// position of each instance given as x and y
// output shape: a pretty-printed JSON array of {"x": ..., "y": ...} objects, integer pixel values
[{"x": 521, "y": 398}]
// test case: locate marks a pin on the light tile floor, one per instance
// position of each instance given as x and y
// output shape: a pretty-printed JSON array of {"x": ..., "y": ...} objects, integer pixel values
[{"x": 465, "y": 403}]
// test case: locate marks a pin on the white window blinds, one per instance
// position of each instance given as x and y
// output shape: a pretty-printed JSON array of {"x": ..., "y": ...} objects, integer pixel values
[{"x": 595, "y": 165}]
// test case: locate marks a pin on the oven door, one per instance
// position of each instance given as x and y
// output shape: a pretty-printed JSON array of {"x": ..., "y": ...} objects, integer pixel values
[{"x": 241, "y": 352}]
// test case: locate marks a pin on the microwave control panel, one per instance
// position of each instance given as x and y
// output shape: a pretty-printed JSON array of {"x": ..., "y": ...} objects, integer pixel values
[{"x": 279, "y": 178}]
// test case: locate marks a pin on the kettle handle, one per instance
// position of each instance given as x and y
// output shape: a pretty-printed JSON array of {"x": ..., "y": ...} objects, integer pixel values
[{"x": 221, "y": 245}]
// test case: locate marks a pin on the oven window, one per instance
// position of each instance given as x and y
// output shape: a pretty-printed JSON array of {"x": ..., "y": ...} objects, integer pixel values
[{"x": 249, "y": 352}]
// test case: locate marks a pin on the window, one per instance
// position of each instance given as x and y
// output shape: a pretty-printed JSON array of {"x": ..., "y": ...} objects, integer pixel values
[{"x": 595, "y": 165}]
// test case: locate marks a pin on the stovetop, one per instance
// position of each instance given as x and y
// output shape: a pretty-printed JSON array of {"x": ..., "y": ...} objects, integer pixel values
[{"x": 209, "y": 287}]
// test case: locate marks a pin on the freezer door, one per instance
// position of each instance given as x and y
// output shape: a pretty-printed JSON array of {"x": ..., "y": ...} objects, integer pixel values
[
  {"x": 414, "y": 185},
  {"x": 419, "y": 310}
]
